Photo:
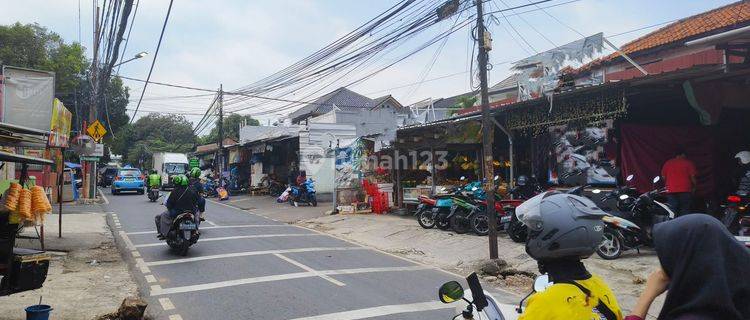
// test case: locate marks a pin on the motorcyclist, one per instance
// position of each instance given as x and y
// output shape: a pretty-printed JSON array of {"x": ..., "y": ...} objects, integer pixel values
[
  {"x": 154, "y": 180},
  {"x": 195, "y": 183},
  {"x": 183, "y": 198},
  {"x": 563, "y": 230},
  {"x": 525, "y": 188}
]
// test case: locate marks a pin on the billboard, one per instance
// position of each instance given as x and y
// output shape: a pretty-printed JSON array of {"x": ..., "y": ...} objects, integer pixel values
[
  {"x": 60, "y": 125},
  {"x": 27, "y": 97}
]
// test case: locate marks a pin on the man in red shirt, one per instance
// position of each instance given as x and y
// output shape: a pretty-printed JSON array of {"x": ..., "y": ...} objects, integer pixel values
[{"x": 679, "y": 173}]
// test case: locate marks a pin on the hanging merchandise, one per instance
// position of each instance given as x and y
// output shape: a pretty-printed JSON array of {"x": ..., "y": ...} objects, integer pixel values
[
  {"x": 11, "y": 197},
  {"x": 24, "y": 205},
  {"x": 39, "y": 203}
]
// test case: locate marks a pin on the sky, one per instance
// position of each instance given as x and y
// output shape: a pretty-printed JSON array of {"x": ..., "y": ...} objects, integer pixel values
[{"x": 236, "y": 42}]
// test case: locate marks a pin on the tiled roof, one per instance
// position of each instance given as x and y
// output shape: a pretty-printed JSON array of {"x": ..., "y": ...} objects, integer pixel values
[
  {"x": 342, "y": 97},
  {"x": 507, "y": 83},
  {"x": 714, "y": 21}
]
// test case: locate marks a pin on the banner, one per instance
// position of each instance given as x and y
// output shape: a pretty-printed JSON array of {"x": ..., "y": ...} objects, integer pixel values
[
  {"x": 28, "y": 97},
  {"x": 349, "y": 161},
  {"x": 60, "y": 125}
]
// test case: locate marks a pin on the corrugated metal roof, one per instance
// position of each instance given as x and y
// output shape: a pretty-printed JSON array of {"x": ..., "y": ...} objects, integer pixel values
[{"x": 341, "y": 97}]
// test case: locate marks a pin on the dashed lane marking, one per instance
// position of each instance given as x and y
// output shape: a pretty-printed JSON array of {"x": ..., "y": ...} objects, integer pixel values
[
  {"x": 249, "y": 253},
  {"x": 307, "y": 268},
  {"x": 156, "y": 244},
  {"x": 166, "y": 304},
  {"x": 381, "y": 311},
  {"x": 158, "y": 290},
  {"x": 175, "y": 317},
  {"x": 150, "y": 278},
  {"x": 211, "y": 223}
]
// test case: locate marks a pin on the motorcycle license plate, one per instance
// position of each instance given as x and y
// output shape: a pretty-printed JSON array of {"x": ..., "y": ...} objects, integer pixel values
[
  {"x": 188, "y": 226},
  {"x": 742, "y": 239},
  {"x": 505, "y": 219}
]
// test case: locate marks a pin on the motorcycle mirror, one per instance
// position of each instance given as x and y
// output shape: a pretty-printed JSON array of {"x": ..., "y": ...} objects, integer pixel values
[
  {"x": 451, "y": 291},
  {"x": 462, "y": 178},
  {"x": 541, "y": 283},
  {"x": 596, "y": 191},
  {"x": 624, "y": 196},
  {"x": 630, "y": 178},
  {"x": 657, "y": 179},
  {"x": 496, "y": 177}
]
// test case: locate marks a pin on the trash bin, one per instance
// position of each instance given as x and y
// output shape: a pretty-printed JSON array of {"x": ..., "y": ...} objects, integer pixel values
[{"x": 38, "y": 312}]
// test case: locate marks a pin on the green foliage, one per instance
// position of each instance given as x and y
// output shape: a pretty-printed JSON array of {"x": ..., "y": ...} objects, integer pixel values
[
  {"x": 231, "y": 128},
  {"x": 153, "y": 133},
  {"x": 463, "y": 102}
]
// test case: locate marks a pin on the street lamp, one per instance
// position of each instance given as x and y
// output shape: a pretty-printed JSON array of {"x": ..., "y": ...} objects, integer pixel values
[{"x": 137, "y": 56}]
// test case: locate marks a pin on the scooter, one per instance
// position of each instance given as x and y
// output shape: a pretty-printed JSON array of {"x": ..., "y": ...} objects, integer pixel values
[
  {"x": 470, "y": 213},
  {"x": 425, "y": 212},
  {"x": 183, "y": 233},
  {"x": 443, "y": 210},
  {"x": 737, "y": 216},
  {"x": 153, "y": 194},
  {"x": 297, "y": 195},
  {"x": 632, "y": 228},
  {"x": 481, "y": 305}
]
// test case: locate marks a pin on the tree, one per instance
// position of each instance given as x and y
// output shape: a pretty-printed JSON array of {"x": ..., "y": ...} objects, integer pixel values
[
  {"x": 153, "y": 133},
  {"x": 463, "y": 102},
  {"x": 231, "y": 128}
]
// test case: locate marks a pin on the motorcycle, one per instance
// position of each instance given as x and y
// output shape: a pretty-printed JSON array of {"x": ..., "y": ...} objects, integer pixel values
[
  {"x": 427, "y": 205},
  {"x": 443, "y": 211},
  {"x": 481, "y": 305},
  {"x": 631, "y": 228},
  {"x": 183, "y": 232},
  {"x": 737, "y": 216},
  {"x": 470, "y": 213},
  {"x": 153, "y": 194},
  {"x": 297, "y": 195}
]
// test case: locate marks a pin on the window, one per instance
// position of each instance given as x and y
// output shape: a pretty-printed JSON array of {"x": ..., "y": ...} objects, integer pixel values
[
  {"x": 130, "y": 173},
  {"x": 175, "y": 168}
]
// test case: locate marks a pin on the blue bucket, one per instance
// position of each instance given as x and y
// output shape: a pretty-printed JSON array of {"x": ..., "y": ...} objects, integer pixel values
[{"x": 38, "y": 312}]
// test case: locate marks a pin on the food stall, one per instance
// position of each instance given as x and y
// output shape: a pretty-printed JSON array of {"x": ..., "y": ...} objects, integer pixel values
[{"x": 22, "y": 205}]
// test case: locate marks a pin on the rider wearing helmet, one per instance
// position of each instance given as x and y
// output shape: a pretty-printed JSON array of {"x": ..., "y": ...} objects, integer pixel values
[
  {"x": 183, "y": 198},
  {"x": 563, "y": 230},
  {"x": 154, "y": 180},
  {"x": 195, "y": 183}
]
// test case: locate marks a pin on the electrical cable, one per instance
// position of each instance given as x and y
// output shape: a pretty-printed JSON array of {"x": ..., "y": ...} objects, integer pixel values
[
  {"x": 127, "y": 39},
  {"x": 153, "y": 61}
]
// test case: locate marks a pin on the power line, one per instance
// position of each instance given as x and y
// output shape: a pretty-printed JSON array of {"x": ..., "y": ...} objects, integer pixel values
[
  {"x": 127, "y": 40},
  {"x": 153, "y": 61},
  {"x": 169, "y": 84}
]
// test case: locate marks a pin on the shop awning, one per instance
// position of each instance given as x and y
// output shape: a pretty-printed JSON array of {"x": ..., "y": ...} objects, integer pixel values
[
  {"x": 12, "y": 157},
  {"x": 72, "y": 165}
]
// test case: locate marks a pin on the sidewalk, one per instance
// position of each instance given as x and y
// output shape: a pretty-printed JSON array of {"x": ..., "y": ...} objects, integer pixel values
[{"x": 87, "y": 276}]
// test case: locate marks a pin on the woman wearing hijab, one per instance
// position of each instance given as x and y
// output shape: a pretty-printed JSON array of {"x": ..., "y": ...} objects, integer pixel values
[{"x": 703, "y": 269}]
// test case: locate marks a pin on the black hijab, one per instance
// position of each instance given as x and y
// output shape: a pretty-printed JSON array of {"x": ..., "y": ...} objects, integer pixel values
[{"x": 708, "y": 269}]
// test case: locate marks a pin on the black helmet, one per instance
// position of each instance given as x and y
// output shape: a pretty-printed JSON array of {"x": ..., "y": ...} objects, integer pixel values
[
  {"x": 561, "y": 225},
  {"x": 522, "y": 179}
]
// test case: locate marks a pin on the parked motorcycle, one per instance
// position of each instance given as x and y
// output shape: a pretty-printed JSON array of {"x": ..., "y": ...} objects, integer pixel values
[
  {"x": 469, "y": 213},
  {"x": 443, "y": 210},
  {"x": 298, "y": 195},
  {"x": 737, "y": 216},
  {"x": 183, "y": 233},
  {"x": 153, "y": 194},
  {"x": 631, "y": 227},
  {"x": 426, "y": 210}
]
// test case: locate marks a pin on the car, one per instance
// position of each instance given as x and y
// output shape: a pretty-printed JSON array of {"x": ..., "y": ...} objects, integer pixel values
[
  {"x": 128, "y": 179},
  {"x": 107, "y": 176}
]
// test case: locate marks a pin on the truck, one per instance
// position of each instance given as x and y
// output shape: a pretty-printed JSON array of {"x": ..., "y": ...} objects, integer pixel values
[{"x": 168, "y": 164}]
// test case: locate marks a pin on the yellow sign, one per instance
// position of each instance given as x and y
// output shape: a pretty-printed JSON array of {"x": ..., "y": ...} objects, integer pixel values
[
  {"x": 96, "y": 130},
  {"x": 60, "y": 125}
]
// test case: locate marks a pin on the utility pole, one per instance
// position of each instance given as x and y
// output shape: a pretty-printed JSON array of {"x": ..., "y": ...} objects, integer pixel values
[
  {"x": 485, "y": 44},
  {"x": 90, "y": 175},
  {"x": 221, "y": 130}
]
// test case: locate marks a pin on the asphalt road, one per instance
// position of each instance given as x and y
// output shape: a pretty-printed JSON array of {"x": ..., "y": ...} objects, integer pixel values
[{"x": 249, "y": 267}]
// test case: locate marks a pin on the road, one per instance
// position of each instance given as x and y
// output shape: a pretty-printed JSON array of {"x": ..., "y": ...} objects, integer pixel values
[{"x": 250, "y": 267}]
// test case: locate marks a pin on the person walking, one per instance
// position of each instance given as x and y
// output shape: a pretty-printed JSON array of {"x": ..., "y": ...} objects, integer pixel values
[{"x": 679, "y": 173}]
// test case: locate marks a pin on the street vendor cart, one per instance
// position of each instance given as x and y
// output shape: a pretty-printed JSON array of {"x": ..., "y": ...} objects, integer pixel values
[{"x": 21, "y": 269}]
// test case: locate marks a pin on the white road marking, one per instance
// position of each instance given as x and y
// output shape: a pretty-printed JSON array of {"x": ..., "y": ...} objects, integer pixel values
[
  {"x": 175, "y": 317},
  {"x": 158, "y": 290},
  {"x": 101, "y": 193},
  {"x": 211, "y": 223},
  {"x": 128, "y": 243},
  {"x": 381, "y": 311},
  {"x": 249, "y": 253},
  {"x": 156, "y": 244},
  {"x": 166, "y": 304},
  {"x": 150, "y": 278},
  {"x": 135, "y": 254},
  {"x": 221, "y": 227},
  {"x": 307, "y": 268}
]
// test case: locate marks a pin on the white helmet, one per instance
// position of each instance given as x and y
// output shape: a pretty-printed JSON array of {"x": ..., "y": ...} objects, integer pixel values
[{"x": 744, "y": 156}]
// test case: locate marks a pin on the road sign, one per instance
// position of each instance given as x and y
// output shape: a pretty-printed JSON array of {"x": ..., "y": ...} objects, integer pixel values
[
  {"x": 95, "y": 159},
  {"x": 96, "y": 130},
  {"x": 97, "y": 151}
]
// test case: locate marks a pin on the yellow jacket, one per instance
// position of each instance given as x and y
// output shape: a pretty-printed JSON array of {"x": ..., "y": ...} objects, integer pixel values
[{"x": 567, "y": 302}]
